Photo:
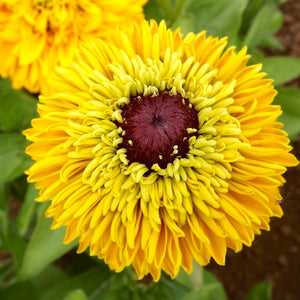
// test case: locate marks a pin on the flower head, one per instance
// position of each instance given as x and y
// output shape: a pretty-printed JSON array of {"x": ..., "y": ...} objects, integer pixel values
[
  {"x": 36, "y": 35},
  {"x": 156, "y": 149}
]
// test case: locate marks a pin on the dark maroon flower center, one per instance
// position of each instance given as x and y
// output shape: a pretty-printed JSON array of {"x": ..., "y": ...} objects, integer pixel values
[{"x": 155, "y": 128}]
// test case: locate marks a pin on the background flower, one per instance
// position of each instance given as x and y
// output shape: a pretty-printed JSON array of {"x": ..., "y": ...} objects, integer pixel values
[
  {"x": 155, "y": 150},
  {"x": 35, "y": 35}
]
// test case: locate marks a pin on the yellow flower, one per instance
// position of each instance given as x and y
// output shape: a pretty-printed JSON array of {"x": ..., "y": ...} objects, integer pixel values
[
  {"x": 157, "y": 149},
  {"x": 36, "y": 35}
]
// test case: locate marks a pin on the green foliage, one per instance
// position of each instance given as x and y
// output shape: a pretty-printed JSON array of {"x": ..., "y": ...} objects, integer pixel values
[
  {"x": 289, "y": 100},
  {"x": 27, "y": 210},
  {"x": 153, "y": 11},
  {"x": 17, "y": 108},
  {"x": 77, "y": 294},
  {"x": 34, "y": 263},
  {"x": 205, "y": 286},
  {"x": 282, "y": 69},
  {"x": 262, "y": 20},
  {"x": 44, "y": 247},
  {"x": 245, "y": 22},
  {"x": 261, "y": 291},
  {"x": 13, "y": 160},
  {"x": 181, "y": 288},
  {"x": 53, "y": 283},
  {"x": 223, "y": 18},
  {"x": 87, "y": 281}
]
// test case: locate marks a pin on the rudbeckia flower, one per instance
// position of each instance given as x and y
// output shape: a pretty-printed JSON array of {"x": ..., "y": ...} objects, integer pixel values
[
  {"x": 156, "y": 150},
  {"x": 36, "y": 35}
]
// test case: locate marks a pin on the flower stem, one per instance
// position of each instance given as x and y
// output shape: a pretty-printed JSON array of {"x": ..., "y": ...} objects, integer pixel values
[{"x": 197, "y": 276}]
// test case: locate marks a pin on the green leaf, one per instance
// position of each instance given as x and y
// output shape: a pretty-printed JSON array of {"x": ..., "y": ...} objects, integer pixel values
[
  {"x": 256, "y": 56},
  {"x": 13, "y": 160},
  {"x": 289, "y": 100},
  {"x": 9, "y": 238},
  {"x": 32, "y": 289},
  {"x": 7, "y": 270},
  {"x": 88, "y": 281},
  {"x": 167, "y": 10},
  {"x": 250, "y": 12},
  {"x": 77, "y": 294},
  {"x": 272, "y": 42},
  {"x": 261, "y": 291},
  {"x": 199, "y": 277},
  {"x": 45, "y": 246},
  {"x": 209, "y": 277},
  {"x": 220, "y": 18},
  {"x": 251, "y": 16},
  {"x": 28, "y": 209},
  {"x": 184, "y": 279},
  {"x": 21, "y": 290},
  {"x": 214, "y": 291},
  {"x": 267, "y": 20},
  {"x": 3, "y": 229},
  {"x": 114, "y": 295},
  {"x": 202, "y": 285},
  {"x": 174, "y": 290},
  {"x": 276, "y": 21},
  {"x": 4, "y": 203},
  {"x": 282, "y": 69},
  {"x": 50, "y": 277},
  {"x": 17, "y": 108},
  {"x": 153, "y": 11},
  {"x": 186, "y": 23}
]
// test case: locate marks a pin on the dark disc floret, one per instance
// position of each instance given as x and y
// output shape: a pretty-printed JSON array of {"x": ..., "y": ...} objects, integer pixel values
[{"x": 156, "y": 128}]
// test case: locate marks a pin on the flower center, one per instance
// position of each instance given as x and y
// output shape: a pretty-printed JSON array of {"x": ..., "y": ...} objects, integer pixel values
[{"x": 157, "y": 128}]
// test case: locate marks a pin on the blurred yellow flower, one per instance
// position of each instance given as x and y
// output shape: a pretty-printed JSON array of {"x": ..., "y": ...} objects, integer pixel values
[
  {"x": 156, "y": 149},
  {"x": 36, "y": 35}
]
